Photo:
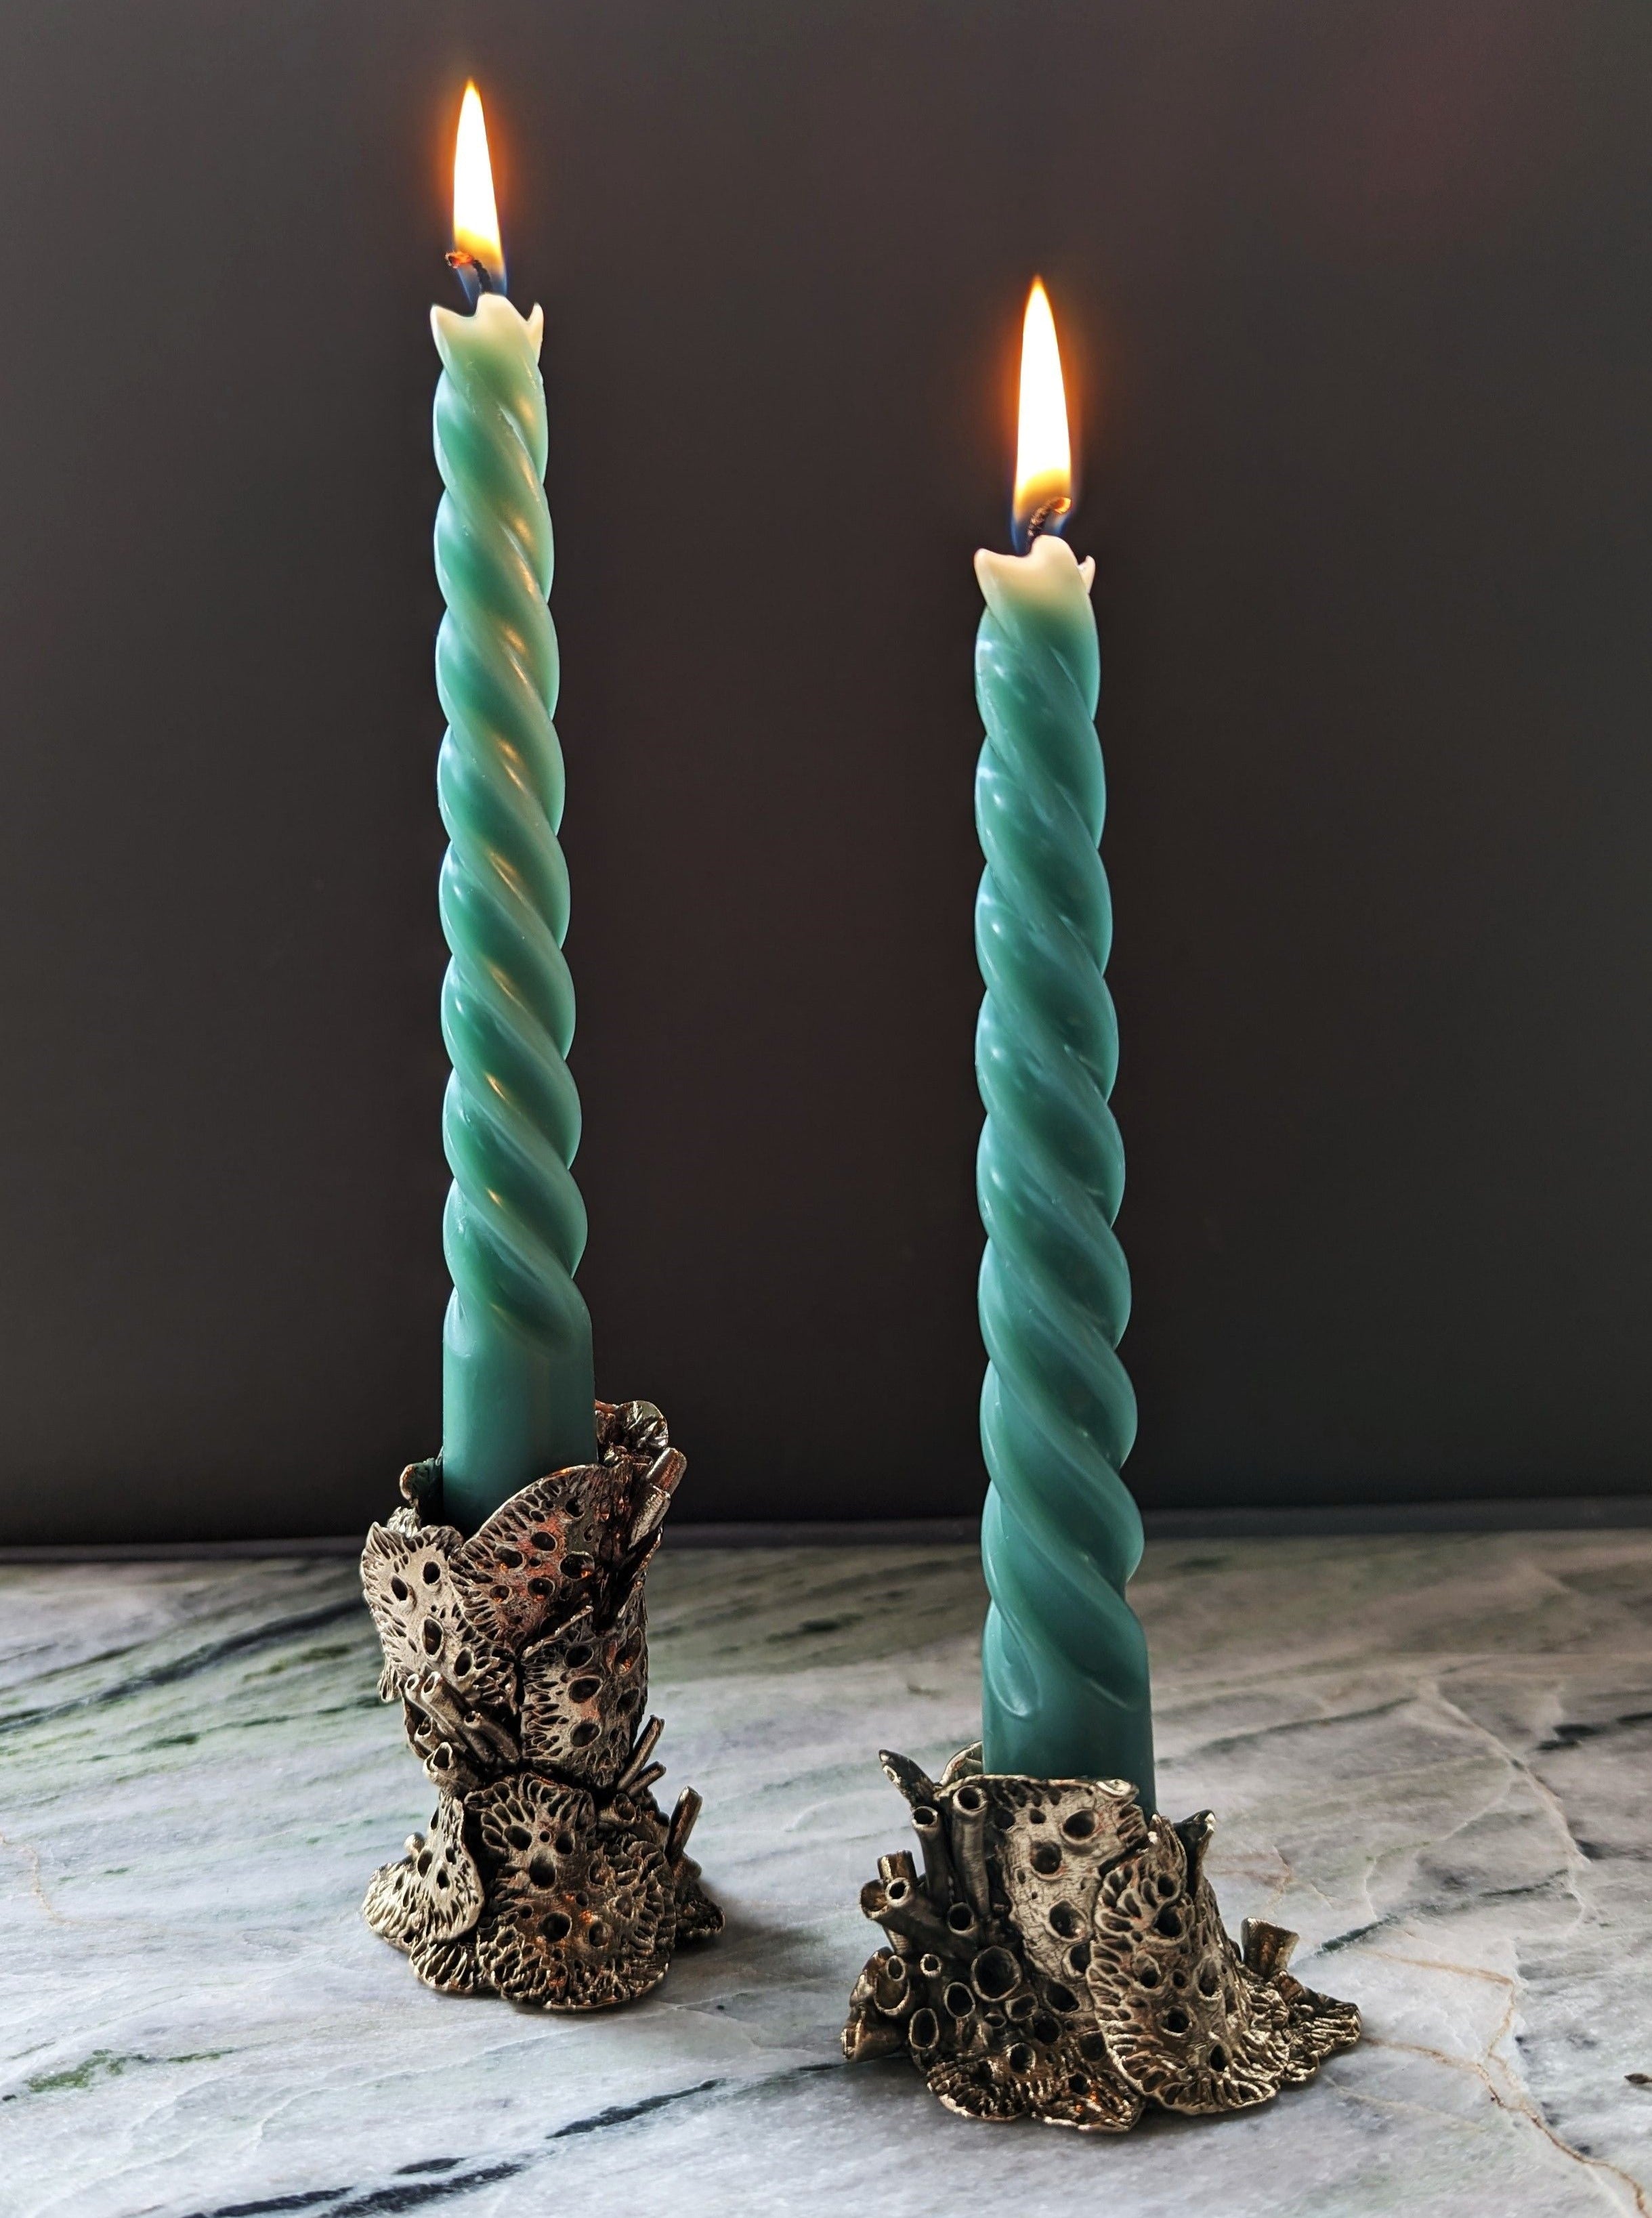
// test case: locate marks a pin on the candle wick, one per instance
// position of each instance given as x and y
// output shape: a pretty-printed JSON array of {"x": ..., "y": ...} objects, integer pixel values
[
  {"x": 476, "y": 277},
  {"x": 1050, "y": 516}
]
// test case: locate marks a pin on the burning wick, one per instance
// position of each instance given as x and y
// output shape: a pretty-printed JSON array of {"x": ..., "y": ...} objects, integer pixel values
[
  {"x": 474, "y": 275},
  {"x": 1052, "y": 517}
]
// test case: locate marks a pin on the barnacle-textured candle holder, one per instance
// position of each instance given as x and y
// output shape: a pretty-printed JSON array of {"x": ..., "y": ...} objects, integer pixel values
[
  {"x": 549, "y": 1873},
  {"x": 1061, "y": 1957}
]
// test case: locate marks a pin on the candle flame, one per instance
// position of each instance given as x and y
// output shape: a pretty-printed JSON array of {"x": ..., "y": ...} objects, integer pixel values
[
  {"x": 1043, "y": 450},
  {"x": 475, "y": 219}
]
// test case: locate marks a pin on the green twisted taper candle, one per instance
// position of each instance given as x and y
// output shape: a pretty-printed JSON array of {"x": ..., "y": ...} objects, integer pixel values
[
  {"x": 517, "y": 1368},
  {"x": 1065, "y": 1682}
]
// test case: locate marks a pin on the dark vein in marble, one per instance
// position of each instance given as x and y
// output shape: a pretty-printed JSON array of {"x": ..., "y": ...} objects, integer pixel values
[
  {"x": 386, "y": 2200},
  {"x": 1279, "y": 1730},
  {"x": 198, "y": 1660},
  {"x": 621, "y": 2114},
  {"x": 308, "y": 2201}
]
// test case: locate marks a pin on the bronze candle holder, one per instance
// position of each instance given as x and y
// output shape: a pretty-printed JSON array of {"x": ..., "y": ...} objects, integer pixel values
[
  {"x": 549, "y": 1875},
  {"x": 1061, "y": 1957}
]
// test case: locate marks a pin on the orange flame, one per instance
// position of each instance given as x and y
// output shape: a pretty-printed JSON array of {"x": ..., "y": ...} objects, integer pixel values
[
  {"x": 1043, "y": 450},
  {"x": 475, "y": 219}
]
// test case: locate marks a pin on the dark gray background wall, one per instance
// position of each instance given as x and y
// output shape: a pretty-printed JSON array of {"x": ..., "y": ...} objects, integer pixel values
[{"x": 1360, "y": 298}]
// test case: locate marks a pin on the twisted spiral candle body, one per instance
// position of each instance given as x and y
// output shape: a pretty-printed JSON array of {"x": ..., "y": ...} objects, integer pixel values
[
  {"x": 517, "y": 1368},
  {"x": 1065, "y": 1688}
]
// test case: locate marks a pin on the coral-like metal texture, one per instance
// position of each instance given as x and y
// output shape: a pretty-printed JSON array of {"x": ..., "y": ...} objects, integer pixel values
[
  {"x": 1061, "y": 1957},
  {"x": 549, "y": 1873}
]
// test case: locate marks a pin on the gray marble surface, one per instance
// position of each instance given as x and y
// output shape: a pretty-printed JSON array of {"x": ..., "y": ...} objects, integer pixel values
[{"x": 1431, "y": 1755}]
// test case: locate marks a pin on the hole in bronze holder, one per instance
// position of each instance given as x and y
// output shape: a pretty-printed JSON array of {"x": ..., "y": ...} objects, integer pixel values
[{"x": 995, "y": 1973}]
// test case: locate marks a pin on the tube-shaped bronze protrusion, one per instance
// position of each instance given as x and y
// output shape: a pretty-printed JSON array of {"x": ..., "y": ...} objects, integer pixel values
[
  {"x": 689, "y": 1806},
  {"x": 892, "y": 1987},
  {"x": 969, "y": 1846},
  {"x": 429, "y": 1692},
  {"x": 899, "y": 1908},
  {"x": 646, "y": 1741},
  {"x": 939, "y": 1875},
  {"x": 899, "y": 1865}
]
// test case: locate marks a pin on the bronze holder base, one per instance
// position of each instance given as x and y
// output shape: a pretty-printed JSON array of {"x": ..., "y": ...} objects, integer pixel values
[
  {"x": 549, "y": 1873},
  {"x": 1062, "y": 1958}
]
